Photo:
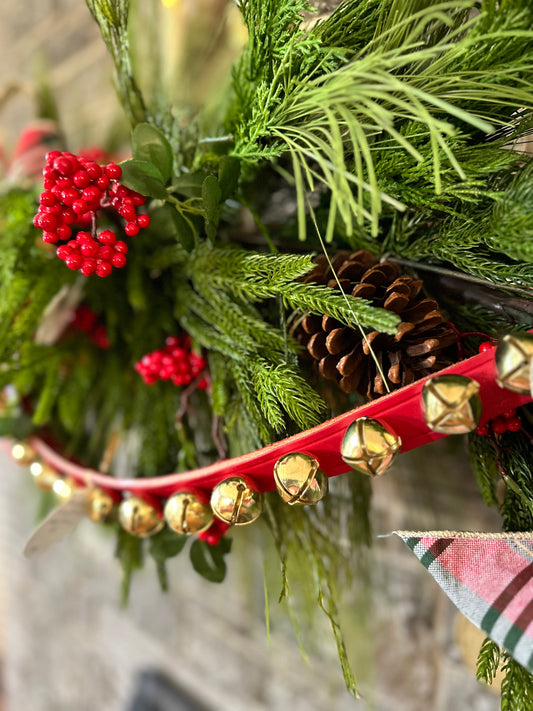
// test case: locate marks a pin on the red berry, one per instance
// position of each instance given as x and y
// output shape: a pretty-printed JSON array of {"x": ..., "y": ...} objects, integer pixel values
[
  {"x": 121, "y": 246},
  {"x": 113, "y": 171},
  {"x": 107, "y": 237},
  {"x": 94, "y": 170},
  {"x": 131, "y": 229},
  {"x": 69, "y": 216},
  {"x": 64, "y": 165},
  {"x": 127, "y": 212},
  {"x": 88, "y": 267},
  {"x": 482, "y": 430},
  {"x": 52, "y": 155},
  {"x": 99, "y": 337},
  {"x": 86, "y": 218},
  {"x": 47, "y": 198},
  {"x": 485, "y": 346},
  {"x": 84, "y": 318},
  {"x": 63, "y": 231},
  {"x": 50, "y": 237},
  {"x": 48, "y": 222},
  {"x": 63, "y": 251},
  {"x": 121, "y": 191},
  {"x": 64, "y": 183},
  {"x": 79, "y": 207},
  {"x": 74, "y": 261},
  {"x": 499, "y": 425},
  {"x": 92, "y": 195},
  {"x": 106, "y": 252},
  {"x": 81, "y": 179},
  {"x": 103, "y": 182},
  {"x": 514, "y": 424},
  {"x": 69, "y": 196},
  {"x": 143, "y": 221},
  {"x": 52, "y": 209},
  {"x": 49, "y": 172},
  {"x": 103, "y": 269},
  {"x": 118, "y": 260},
  {"x": 89, "y": 248},
  {"x": 137, "y": 198}
]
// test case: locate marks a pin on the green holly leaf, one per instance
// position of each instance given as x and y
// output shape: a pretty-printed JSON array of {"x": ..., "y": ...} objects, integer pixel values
[
  {"x": 228, "y": 175},
  {"x": 211, "y": 197},
  {"x": 143, "y": 177},
  {"x": 209, "y": 560},
  {"x": 166, "y": 544},
  {"x": 189, "y": 184},
  {"x": 150, "y": 145}
]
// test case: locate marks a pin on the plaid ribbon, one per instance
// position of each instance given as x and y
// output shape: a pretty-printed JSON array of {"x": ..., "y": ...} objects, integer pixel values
[{"x": 489, "y": 577}]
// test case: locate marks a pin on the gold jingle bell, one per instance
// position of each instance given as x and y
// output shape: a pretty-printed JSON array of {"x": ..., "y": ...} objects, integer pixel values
[
  {"x": 43, "y": 475},
  {"x": 514, "y": 362},
  {"x": 370, "y": 447},
  {"x": 451, "y": 404},
  {"x": 139, "y": 518},
  {"x": 236, "y": 502},
  {"x": 23, "y": 453},
  {"x": 63, "y": 487},
  {"x": 299, "y": 480},
  {"x": 100, "y": 506},
  {"x": 186, "y": 513}
]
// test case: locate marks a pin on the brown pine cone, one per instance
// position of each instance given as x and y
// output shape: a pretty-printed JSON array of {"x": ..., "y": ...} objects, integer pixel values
[{"x": 364, "y": 363}]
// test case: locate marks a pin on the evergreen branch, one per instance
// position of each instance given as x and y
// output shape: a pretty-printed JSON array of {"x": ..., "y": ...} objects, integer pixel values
[
  {"x": 428, "y": 66},
  {"x": 488, "y": 661},
  {"x": 112, "y": 18},
  {"x": 279, "y": 385},
  {"x": 485, "y": 466},
  {"x": 258, "y": 277},
  {"x": 517, "y": 686}
]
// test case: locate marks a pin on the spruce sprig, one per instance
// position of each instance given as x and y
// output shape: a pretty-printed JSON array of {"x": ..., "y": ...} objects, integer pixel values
[{"x": 255, "y": 277}]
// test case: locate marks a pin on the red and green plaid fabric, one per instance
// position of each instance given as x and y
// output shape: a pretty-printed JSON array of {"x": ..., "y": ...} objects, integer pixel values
[{"x": 489, "y": 577}]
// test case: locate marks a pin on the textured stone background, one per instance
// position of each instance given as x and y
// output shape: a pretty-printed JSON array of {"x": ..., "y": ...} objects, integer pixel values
[{"x": 67, "y": 645}]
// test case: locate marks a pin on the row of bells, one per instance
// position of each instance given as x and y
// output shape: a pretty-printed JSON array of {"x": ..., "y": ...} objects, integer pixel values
[{"x": 450, "y": 404}]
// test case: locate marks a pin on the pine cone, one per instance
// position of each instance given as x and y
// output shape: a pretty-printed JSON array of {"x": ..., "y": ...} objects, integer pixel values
[{"x": 362, "y": 363}]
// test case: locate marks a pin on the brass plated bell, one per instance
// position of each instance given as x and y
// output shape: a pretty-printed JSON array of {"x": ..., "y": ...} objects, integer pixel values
[
  {"x": 23, "y": 453},
  {"x": 43, "y": 475},
  {"x": 186, "y": 513},
  {"x": 139, "y": 518},
  {"x": 235, "y": 501},
  {"x": 369, "y": 446},
  {"x": 100, "y": 506},
  {"x": 514, "y": 362},
  {"x": 299, "y": 480},
  {"x": 451, "y": 404},
  {"x": 63, "y": 488}
]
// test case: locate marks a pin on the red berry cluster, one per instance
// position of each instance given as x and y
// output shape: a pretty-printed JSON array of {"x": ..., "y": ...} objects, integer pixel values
[
  {"x": 86, "y": 320},
  {"x": 214, "y": 533},
  {"x": 508, "y": 422},
  {"x": 175, "y": 362},
  {"x": 75, "y": 188}
]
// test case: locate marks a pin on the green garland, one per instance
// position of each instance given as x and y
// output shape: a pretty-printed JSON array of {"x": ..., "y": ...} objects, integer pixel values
[{"x": 387, "y": 125}]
